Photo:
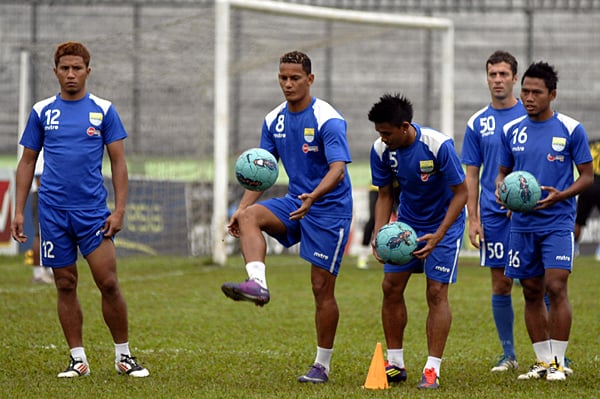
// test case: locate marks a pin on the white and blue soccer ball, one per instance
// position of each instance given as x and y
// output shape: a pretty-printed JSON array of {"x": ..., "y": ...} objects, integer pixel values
[
  {"x": 520, "y": 191},
  {"x": 256, "y": 169},
  {"x": 395, "y": 243}
]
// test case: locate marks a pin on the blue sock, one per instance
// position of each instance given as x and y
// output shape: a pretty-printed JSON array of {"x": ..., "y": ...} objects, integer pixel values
[
  {"x": 547, "y": 301},
  {"x": 504, "y": 318}
]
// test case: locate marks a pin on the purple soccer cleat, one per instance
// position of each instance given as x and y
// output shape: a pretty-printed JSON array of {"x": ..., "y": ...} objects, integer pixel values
[{"x": 249, "y": 291}]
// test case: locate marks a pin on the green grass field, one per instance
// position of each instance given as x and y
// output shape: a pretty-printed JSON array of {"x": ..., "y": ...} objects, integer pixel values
[{"x": 199, "y": 344}]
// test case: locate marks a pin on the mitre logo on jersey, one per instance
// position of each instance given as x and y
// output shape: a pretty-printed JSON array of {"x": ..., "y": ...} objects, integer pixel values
[
  {"x": 95, "y": 118},
  {"x": 559, "y": 143},
  {"x": 309, "y": 134},
  {"x": 426, "y": 166}
]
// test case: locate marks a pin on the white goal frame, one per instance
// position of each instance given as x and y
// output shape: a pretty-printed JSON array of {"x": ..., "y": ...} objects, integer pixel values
[{"x": 221, "y": 82}]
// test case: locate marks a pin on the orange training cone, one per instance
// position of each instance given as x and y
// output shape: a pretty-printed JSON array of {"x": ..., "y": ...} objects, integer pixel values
[{"x": 377, "y": 379}]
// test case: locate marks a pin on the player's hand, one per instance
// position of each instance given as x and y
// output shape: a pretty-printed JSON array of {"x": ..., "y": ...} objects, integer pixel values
[
  {"x": 431, "y": 241},
  {"x": 373, "y": 246},
  {"x": 552, "y": 198},
  {"x": 16, "y": 229},
  {"x": 299, "y": 213},
  {"x": 233, "y": 228},
  {"x": 475, "y": 233},
  {"x": 113, "y": 224}
]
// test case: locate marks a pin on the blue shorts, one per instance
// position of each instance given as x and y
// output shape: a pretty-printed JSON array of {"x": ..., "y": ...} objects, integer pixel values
[
  {"x": 530, "y": 254},
  {"x": 442, "y": 263},
  {"x": 493, "y": 251},
  {"x": 323, "y": 238},
  {"x": 62, "y": 232}
]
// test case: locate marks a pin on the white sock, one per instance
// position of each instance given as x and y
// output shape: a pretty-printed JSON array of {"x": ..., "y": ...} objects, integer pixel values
[
  {"x": 543, "y": 351},
  {"x": 324, "y": 357},
  {"x": 121, "y": 349},
  {"x": 395, "y": 357},
  {"x": 558, "y": 350},
  {"x": 435, "y": 363},
  {"x": 79, "y": 352},
  {"x": 256, "y": 272}
]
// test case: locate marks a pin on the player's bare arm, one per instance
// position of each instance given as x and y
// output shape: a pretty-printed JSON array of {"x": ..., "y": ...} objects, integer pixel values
[
  {"x": 25, "y": 171},
  {"x": 475, "y": 230},
  {"x": 383, "y": 211},
  {"x": 120, "y": 180}
]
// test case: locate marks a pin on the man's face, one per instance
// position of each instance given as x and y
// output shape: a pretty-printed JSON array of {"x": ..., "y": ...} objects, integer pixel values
[
  {"x": 393, "y": 136},
  {"x": 294, "y": 82},
  {"x": 537, "y": 98},
  {"x": 500, "y": 80},
  {"x": 71, "y": 73}
]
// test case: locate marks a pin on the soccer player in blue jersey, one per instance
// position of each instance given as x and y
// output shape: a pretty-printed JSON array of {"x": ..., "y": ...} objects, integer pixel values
[
  {"x": 309, "y": 137},
  {"x": 433, "y": 194},
  {"x": 73, "y": 128},
  {"x": 541, "y": 245},
  {"x": 489, "y": 223}
]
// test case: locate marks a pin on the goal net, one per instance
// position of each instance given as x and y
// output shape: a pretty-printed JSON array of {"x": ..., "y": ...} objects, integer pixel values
[
  {"x": 356, "y": 57},
  {"x": 193, "y": 84}
]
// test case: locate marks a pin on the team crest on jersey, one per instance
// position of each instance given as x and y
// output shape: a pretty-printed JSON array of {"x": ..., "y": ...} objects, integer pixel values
[
  {"x": 95, "y": 118},
  {"x": 426, "y": 166},
  {"x": 559, "y": 143},
  {"x": 309, "y": 134}
]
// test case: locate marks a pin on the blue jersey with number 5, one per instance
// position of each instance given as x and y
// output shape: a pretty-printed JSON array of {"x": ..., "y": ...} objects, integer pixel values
[{"x": 425, "y": 171}]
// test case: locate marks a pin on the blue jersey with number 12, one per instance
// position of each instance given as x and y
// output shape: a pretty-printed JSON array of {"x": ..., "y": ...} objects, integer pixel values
[{"x": 73, "y": 135}]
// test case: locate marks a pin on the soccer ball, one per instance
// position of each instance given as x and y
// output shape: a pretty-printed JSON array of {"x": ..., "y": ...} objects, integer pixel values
[
  {"x": 395, "y": 243},
  {"x": 520, "y": 191},
  {"x": 256, "y": 169}
]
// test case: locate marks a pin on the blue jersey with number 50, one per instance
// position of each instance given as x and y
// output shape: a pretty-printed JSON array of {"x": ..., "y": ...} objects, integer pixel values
[{"x": 481, "y": 146}]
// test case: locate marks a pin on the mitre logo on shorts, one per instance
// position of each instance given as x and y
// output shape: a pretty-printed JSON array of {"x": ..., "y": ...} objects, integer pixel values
[
  {"x": 309, "y": 134},
  {"x": 95, "y": 118}
]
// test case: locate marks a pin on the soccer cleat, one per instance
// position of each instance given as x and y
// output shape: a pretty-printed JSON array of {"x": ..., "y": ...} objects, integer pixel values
[
  {"x": 505, "y": 363},
  {"x": 249, "y": 291},
  {"x": 317, "y": 375},
  {"x": 394, "y": 373},
  {"x": 128, "y": 365},
  {"x": 555, "y": 372},
  {"x": 77, "y": 368},
  {"x": 537, "y": 371},
  {"x": 429, "y": 380}
]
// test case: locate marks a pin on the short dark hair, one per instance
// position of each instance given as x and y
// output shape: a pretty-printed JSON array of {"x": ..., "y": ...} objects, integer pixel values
[
  {"x": 542, "y": 70},
  {"x": 394, "y": 109},
  {"x": 297, "y": 57},
  {"x": 72, "y": 48},
  {"x": 502, "y": 56}
]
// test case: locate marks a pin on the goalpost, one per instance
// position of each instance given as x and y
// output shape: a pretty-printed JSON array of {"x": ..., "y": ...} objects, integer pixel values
[{"x": 222, "y": 83}]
